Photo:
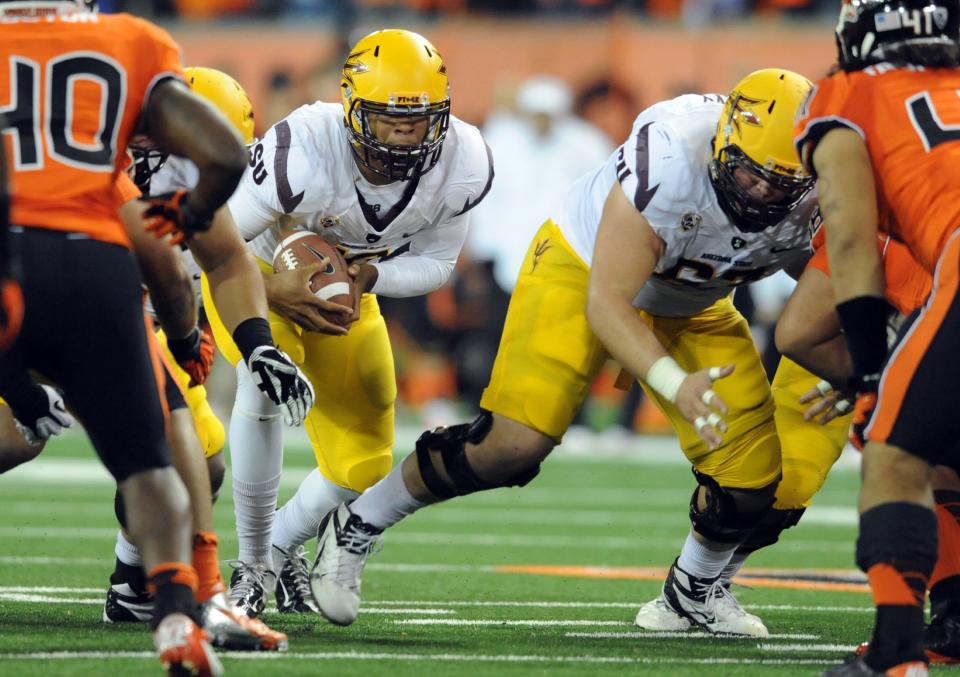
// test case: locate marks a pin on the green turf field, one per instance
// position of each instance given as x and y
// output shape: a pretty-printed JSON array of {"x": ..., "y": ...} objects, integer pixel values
[{"x": 471, "y": 587}]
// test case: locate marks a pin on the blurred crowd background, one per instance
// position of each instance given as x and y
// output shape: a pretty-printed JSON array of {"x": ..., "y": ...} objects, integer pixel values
[{"x": 554, "y": 85}]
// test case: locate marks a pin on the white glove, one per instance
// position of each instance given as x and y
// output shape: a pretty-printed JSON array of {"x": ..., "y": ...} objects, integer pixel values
[
  {"x": 281, "y": 380},
  {"x": 48, "y": 423}
]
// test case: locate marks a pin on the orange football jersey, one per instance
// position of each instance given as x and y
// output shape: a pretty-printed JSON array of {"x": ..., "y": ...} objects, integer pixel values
[
  {"x": 910, "y": 119},
  {"x": 907, "y": 282},
  {"x": 72, "y": 89}
]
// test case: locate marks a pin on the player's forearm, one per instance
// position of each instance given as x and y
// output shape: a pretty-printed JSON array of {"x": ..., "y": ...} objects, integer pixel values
[
  {"x": 411, "y": 276},
  {"x": 830, "y": 360},
  {"x": 237, "y": 290},
  {"x": 175, "y": 306},
  {"x": 624, "y": 334}
]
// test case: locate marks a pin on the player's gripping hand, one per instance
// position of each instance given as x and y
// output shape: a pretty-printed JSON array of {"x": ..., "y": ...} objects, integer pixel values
[
  {"x": 289, "y": 295},
  {"x": 46, "y": 416},
  {"x": 169, "y": 214},
  {"x": 700, "y": 405},
  {"x": 827, "y": 402},
  {"x": 866, "y": 389},
  {"x": 282, "y": 381},
  {"x": 194, "y": 354}
]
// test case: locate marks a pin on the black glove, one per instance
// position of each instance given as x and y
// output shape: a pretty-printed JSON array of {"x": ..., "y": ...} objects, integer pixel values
[
  {"x": 194, "y": 354},
  {"x": 281, "y": 380},
  {"x": 42, "y": 415}
]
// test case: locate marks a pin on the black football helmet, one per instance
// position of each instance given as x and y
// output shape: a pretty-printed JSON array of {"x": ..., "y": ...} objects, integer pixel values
[{"x": 868, "y": 30}]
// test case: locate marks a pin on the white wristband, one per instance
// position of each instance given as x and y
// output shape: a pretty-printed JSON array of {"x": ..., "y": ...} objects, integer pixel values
[{"x": 666, "y": 376}]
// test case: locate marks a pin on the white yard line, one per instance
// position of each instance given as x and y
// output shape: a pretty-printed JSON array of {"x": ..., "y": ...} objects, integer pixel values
[
  {"x": 785, "y": 648},
  {"x": 572, "y": 622},
  {"x": 414, "y": 657},
  {"x": 46, "y": 599},
  {"x": 671, "y": 635}
]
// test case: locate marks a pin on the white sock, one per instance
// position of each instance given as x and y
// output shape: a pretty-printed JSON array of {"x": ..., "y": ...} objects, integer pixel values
[
  {"x": 127, "y": 552},
  {"x": 297, "y": 521},
  {"x": 386, "y": 502},
  {"x": 734, "y": 565},
  {"x": 256, "y": 459},
  {"x": 702, "y": 562}
]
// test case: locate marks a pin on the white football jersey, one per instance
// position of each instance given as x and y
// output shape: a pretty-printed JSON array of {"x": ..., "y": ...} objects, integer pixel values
[
  {"x": 178, "y": 173},
  {"x": 303, "y": 173},
  {"x": 663, "y": 170}
]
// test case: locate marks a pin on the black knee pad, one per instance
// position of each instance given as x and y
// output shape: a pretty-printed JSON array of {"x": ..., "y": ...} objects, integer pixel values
[
  {"x": 729, "y": 515},
  {"x": 451, "y": 445},
  {"x": 767, "y": 532},
  {"x": 118, "y": 509}
]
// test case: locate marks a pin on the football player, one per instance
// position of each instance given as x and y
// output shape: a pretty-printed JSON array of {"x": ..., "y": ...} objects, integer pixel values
[
  {"x": 109, "y": 76},
  {"x": 640, "y": 263},
  {"x": 196, "y": 431},
  {"x": 390, "y": 176},
  {"x": 11, "y": 296},
  {"x": 880, "y": 135}
]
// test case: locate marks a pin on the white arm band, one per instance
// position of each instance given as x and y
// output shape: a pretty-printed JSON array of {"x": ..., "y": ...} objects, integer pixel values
[{"x": 665, "y": 376}]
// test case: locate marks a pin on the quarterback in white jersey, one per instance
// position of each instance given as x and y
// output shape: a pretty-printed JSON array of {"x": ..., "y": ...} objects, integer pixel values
[
  {"x": 640, "y": 264},
  {"x": 390, "y": 177}
]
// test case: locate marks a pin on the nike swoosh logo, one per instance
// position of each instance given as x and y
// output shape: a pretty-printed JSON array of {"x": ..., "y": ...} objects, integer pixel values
[{"x": 778, "y": 250}]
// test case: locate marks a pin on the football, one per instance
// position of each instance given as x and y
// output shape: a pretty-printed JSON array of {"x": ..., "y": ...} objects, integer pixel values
[{"x": 302, "y": 248}]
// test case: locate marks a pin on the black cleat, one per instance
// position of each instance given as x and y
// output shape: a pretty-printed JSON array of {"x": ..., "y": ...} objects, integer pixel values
[
  {"x": 126, "y": 604},
  {"x": 293, "y": 594}
]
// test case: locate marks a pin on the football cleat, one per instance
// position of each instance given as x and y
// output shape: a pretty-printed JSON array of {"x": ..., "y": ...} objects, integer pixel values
[
  {"x": 183, "y": 648},
  {"x": 249, "y": 587},
  {"x": 941, "y": 640},
  {"x": 293, "y": 595},
  {"x": 344, "y": 542},
  {"x": 658, "y": 615},
  {"x": 232, "y": 630},
  {"x": 855, "y": 667},
  {"x": 709, "y": 604},
  {"x": 126, "y": 604}
]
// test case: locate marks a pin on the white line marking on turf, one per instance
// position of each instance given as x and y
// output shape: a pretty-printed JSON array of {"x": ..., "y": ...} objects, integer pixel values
[
  {"x": 784, "y": 648},
  {"x": 670, "y": 635},
  {"x": 407, "y": 610},
  {"x": 508, "y": 622},
  {"x": 459, "y": 658},
  {"x": 19, "y": 588},
  {"x": 600, "y": 605},
  {"x": 430, "y": 568},
  {"x": 46, "y": 599},
  {"x": 88, "y": 561}
]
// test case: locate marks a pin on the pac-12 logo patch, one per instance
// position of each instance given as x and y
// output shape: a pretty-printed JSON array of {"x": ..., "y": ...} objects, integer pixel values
[{"x": 689, "y": 221}]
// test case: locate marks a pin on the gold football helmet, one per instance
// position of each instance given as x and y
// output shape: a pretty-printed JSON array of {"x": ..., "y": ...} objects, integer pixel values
[
  {"x": 219, "y": 89},
  {"x": 226, "y": 95},
  {"x": 395, "y": 73},
  {"x": 755, "y": 134}
]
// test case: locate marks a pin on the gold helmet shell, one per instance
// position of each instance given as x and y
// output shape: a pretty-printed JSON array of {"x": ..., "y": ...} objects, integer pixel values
[
  {"x": 755, "y": 133},
  {"x": 226, "y": 95},
  {"x": 398, "y": 73}
]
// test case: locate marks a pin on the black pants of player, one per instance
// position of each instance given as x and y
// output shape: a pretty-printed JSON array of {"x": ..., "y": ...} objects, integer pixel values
[{"x": 84, "y": 329}]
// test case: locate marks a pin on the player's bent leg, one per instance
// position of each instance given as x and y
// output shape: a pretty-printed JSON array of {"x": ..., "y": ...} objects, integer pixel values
[
  {"x": 256, "y": 448},
  {"x": 694, "y": 592},
  {"x": 941, "y": 638},
  {"x": 492, "y": 451}
]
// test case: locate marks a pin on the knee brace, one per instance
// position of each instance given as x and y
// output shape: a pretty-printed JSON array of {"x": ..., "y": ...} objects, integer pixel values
[
  {"x": 445, "y": 468},
  {"x": 767, "y": 532},
  {"x": 728, "y": 515}
]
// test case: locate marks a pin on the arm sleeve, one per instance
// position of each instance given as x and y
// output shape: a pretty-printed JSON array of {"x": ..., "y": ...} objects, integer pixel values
[{"x": 426, "y": 265}]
